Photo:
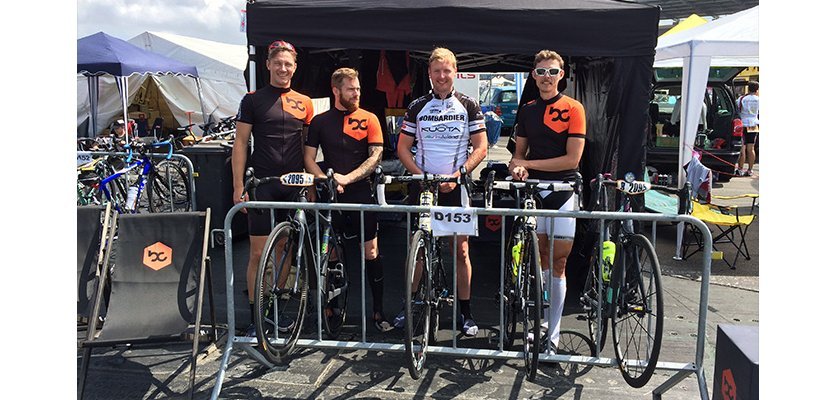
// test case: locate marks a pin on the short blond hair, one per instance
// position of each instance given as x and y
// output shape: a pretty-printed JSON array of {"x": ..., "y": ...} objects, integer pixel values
[
  {"x": 342, "y": 73},
  {"x": 443, "y": 54},
  {"x": 547, "y": 55}
]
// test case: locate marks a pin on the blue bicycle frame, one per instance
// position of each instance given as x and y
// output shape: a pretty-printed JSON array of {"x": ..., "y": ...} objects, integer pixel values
[{"x": 147, "y": 167}]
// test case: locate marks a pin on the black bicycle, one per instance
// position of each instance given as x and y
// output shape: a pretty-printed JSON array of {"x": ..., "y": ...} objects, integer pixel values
[
  {"x": 285, "y": 276},
  {"x": 427, "y": 289},
  {"x": 624, "y": 284},
  {"x": 524, "y": 295}
]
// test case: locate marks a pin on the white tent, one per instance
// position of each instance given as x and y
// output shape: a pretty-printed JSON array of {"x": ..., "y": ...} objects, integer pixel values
[
  {"x": 220, "y": 65},
  {"x": 736, "y": 35}
]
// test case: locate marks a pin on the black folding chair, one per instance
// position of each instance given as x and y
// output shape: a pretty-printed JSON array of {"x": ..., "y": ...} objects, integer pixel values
[
  {"x": 157, "y": 283},
  {"x": 93, "y": 223}
]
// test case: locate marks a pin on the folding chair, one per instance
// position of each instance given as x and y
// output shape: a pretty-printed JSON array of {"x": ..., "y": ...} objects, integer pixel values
[
  {"x": 157, "y": 283},
  {"x": 732, "y": 226},
  {"x": 93, "y": 223}
]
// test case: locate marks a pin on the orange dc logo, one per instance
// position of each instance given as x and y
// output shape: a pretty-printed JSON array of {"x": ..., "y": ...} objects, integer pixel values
[{"x": 157, "y": 256}]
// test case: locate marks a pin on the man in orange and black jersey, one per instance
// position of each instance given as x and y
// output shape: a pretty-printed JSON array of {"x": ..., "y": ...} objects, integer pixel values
[
  {"x": 352, "y": 145},
  {"x": 276, "y": 118},
  {"x": 550, "y": 136}
]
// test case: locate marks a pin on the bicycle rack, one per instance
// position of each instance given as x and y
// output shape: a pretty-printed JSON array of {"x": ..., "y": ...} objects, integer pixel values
[
  {"x": 247, "y": 343},
  {"x": 182, "y": 158}
]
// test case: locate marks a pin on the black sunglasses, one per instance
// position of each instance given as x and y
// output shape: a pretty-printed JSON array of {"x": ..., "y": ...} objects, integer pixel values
[{"x": 549, "y": 71}]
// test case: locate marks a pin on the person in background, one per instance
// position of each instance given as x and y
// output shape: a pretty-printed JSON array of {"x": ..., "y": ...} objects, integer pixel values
[{"x": 749, "y": 112}]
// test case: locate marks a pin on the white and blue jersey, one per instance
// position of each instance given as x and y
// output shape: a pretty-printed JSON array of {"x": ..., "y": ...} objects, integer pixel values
[{"x": 442, "y": 130}]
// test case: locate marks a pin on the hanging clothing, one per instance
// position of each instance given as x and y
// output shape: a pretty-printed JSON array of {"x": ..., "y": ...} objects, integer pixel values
[
  {"x": 700, "y": 178},
  {"x": 393, "y": 77}
]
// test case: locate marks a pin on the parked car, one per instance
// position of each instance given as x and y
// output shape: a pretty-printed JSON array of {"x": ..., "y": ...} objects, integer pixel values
[
  {"x": 504, "y": 102},
  {"x": 720, "y": 129}
]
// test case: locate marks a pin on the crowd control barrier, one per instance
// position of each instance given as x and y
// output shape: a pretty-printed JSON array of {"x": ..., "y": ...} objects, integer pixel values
[
  {"x": 177, "y": 157},
  {"x": 247, "y": 343}
]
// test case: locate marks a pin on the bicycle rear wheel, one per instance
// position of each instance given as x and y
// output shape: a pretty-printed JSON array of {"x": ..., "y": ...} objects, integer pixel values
[
  {"x": 531, "y": 297},
  {"x": 509, "y": 287},
  {"x": 638, "y": 312},
  {"x": 418, "y": 306},
  {"x": 168, "y": 188},
  {"x": 334, "y": 292},
  {"x": 281, "y": 292},
  {"x": 591, "y": 299}
]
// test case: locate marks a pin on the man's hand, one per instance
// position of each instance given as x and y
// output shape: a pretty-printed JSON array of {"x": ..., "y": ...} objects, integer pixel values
[
  {"x": 341, "y": 182},
  {"x": 518, "y": 170},
  {"x": 236, "y": 197}
]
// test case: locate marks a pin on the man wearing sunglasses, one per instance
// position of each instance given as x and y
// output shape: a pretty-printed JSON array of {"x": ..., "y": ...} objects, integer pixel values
[
  {"x": 550, "y": 136},
  {"x": 276, "y": 117}
]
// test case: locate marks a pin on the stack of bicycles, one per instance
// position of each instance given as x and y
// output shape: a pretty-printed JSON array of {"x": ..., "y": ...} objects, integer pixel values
[{"x": 133, "y": 181}]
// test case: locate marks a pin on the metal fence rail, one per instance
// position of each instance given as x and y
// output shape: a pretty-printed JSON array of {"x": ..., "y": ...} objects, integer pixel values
[
  {"x": 183, "y": 159},
  {"x": 247, "y": 343}
]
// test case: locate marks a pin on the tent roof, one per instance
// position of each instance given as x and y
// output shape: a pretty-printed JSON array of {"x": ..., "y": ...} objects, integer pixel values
[
  {"x": 736, "y": 35},
  {"x": 101, "y": 53},
  {"x": 572, "y": 27},
  {"x": 214, "y": 60},
  {"x": 690, "y": 22}
]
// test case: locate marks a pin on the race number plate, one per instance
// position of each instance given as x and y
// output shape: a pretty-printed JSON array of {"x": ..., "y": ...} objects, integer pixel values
[
  {"x": 83, "y": 157},
  {"x": 297, "y": 179},
  {"x": 634, "y": 187},
  {"x": 447, "y": 221}
]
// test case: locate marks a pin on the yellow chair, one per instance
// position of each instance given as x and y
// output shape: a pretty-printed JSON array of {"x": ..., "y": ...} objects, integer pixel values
[{"x": 732, "y": 226}]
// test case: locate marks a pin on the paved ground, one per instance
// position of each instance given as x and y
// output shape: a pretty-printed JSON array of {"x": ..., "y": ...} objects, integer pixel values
[{"x": 141, "y": 372}]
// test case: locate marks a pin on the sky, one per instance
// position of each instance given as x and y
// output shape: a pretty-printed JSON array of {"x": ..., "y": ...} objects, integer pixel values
[{"x": 217, "y": 20}]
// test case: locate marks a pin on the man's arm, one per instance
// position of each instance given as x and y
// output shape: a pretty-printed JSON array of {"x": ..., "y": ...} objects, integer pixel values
[
  {"x": 240, "y": 151},
  {"x": 310, "y": 164},
  {"x": 516, "y": 168},
  {"x": 375, "y": 154},
  {"x": 571, "y": 160},
  {"x": 404, "y": 153}
]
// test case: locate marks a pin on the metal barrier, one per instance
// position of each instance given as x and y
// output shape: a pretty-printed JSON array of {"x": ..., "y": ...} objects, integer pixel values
[
  {"x": 246, "y": 343},
  {"x": 183, "y": 160}
]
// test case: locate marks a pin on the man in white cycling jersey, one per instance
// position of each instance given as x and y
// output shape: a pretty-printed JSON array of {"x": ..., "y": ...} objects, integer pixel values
[{"x": 443, "y": 123}]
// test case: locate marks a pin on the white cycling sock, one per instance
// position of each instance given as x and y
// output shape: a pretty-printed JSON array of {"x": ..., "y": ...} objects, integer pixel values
[{"x": 557, "y": 298}]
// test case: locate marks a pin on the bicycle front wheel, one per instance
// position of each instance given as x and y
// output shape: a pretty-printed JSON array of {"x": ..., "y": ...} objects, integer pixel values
[
  {"x": 334, "y": 291},
  {"x": 418, "y": 305},
  {"x": 168, "y": 188},
  {"x": 638, "y": 312},
  {"x": 531, "y": 297},
  {"x": 509, "y": 287},
  {"x": 280, "y": 292},
  {"x": 593, "y": 304}
]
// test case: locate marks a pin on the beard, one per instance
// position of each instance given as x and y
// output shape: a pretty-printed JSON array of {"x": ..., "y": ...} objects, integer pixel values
[{"x": 348, "y": 104}]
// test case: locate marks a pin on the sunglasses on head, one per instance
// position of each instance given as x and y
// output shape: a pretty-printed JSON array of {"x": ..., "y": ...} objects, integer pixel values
[
  {"x": 549, "y": 71},
  {"x": 280, "y": 44}
]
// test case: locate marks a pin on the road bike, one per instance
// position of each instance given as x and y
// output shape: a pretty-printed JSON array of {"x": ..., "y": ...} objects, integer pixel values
[
  {"x": 524, "y": 295},
  {"x": 623, "y": 285},
  {"x": 168, "y": 188},
  {"x": 287, "y": 269},
  {"x": 431, "y": 288}
]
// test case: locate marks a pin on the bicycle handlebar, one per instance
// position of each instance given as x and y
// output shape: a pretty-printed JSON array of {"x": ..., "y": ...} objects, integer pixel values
[
  {"x": 640, "y": 187},
  {"x": 529, "y": 185},
  {"x": 379, "y": 180},
  {"x": 252, "y": 182}
]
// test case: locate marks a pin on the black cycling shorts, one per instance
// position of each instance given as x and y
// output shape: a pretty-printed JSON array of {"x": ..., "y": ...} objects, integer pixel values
[
  {"x": 259, "y": 219},
  {"x": 750, "y": 137},
  {"x": 348, "y": 222}
]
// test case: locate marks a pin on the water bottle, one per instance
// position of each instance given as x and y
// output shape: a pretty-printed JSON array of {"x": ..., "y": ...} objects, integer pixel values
[
  {"x": 515, "y": 255},
  {"x": 133, "y": 191},
  {"x": 608, "y": 259},
  {"x": 325, "y": 240}
]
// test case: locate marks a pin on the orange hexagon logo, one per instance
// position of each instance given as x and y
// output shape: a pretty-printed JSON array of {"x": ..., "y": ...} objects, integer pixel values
[
  {"x": 157, "y": 256},
  {"x": 728, "y": 385}
]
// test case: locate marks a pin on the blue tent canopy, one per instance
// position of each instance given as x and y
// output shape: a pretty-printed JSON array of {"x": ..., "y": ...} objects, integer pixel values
[{"x": 101, "y": 53}]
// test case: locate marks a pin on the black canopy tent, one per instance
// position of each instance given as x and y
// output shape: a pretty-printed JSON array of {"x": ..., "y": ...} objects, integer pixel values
[{"x": 608, "y": 47}]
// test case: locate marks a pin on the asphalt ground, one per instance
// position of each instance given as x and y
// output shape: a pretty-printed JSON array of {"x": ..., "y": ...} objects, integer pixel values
[{"x": 162, "y": 372}]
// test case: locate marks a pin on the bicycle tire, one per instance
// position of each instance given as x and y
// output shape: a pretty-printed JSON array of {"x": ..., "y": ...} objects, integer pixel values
[
  {"x": 638, "y": 311},
  {"x": 590, "y": 299},
  {"x": 273, "y": 300},
  {"x": 334, "y": 292},
  {"x": 163, "y": 197},
  {"x": 509, "y": 289},
  {"x": 417, "y": 309},
  {"x": 531, "y": 296},
  {"x": 439, "y": 286}
]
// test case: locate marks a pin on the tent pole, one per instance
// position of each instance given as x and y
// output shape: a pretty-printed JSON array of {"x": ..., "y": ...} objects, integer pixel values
[{"x": 200, "y": 98}]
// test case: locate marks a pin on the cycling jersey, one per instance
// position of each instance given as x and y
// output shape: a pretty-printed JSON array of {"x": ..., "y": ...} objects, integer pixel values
[
  {"x": 442, "y": 129},
  {"x": 547, "y": 124},
  {"x": 277, "y": 116},
  {"x": 345, "y": 138}
]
